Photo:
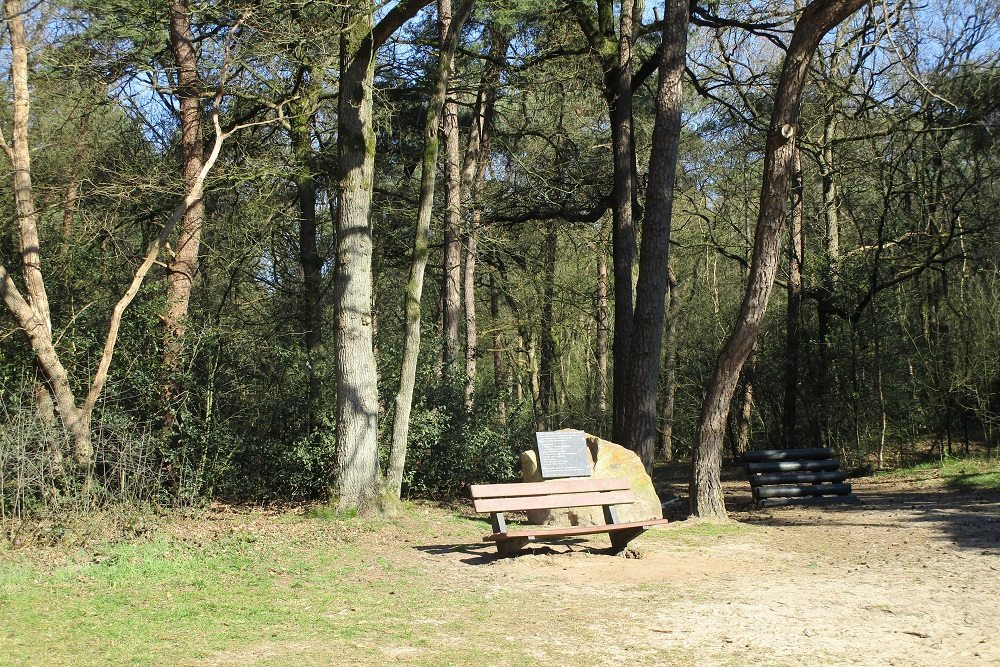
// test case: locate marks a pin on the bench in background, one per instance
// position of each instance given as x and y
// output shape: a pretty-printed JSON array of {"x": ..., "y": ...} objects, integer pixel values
[{"x": 786, "y": 476}]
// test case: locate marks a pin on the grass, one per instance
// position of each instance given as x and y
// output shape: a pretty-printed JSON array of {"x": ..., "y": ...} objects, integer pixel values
[
  {"x": 226, "y": 586},
  {"x": 315, "y": 595},
  {"x": 965, "y": 474}
]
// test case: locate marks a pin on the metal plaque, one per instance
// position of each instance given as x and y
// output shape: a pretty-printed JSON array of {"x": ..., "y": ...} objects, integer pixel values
[{"x": 563, "y": 454}]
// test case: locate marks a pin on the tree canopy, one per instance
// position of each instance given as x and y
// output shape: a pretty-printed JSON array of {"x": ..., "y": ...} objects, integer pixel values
[{"x": 285, "y": 250}]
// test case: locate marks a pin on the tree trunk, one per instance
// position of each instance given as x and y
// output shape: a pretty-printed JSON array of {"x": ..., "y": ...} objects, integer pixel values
[
  {"x": 473, "y": 178},
  {"x": 647, "y": 332},
  {"x": 418, "y": 261},
  {"x": 71, "y": 197},
  {"x": 32, "y": 313},
  {"x": 618, "y": 89},
  {"x": 184, "y": 265},
  {"x": 546, "y": 372},
  {"x": 601, "y": 342},
  {"x": 535, "y": 382},
  {"x": 830, "y": 269},
  {"x": 20, "y": 158},
  {"x": 669, "y": 369},
  {"x": 741, "y": 443},
  {"x": 356, "y": 475},
  {"x": 816, "y": 20},
  {"x": 794, "y": 315},
  {"x": 452, "y": 297},
  {"x": 469, "y": 304},
  {"x": 499, "y": 386},
  {"x": 309, "y": 257},
  {"x": 356, "y": 478},
  {"x": 70, "y": 202}
]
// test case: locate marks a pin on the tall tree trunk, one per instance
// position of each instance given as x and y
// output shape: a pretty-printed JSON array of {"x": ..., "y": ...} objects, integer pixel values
[
  {"x": 421, "y": 237},
  {"x": 309, "y": 257},
  {"x": 32, "y": 313},
  {"x": 601, "y": 338},
  {"x": 830, "y": 269},
  {"x": 473, "y": 178},
  {"x": 184, "y": 265},
  {"x": 669, "y": 369},
  {"x": 356, "y": 476},
  {"x": 816, "y": 20},
  {"x": 647, "y": 333},
  {"x": 452, "y": 297},
  {"x": 546, "y": 365},
  {"x": 884, "y": 430},
  {"x": 499, "y": 386},
  {"x": 794, "y": 315},
  {"x": 618, "y": 87}
]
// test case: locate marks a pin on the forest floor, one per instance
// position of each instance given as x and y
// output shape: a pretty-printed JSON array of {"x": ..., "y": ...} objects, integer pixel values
[{"x": 911, "y": 576}]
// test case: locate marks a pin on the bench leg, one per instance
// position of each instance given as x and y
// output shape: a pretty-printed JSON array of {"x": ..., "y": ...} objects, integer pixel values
[
  {"x": 621, "y": 538},
  {"x": 510, "y": 547}
]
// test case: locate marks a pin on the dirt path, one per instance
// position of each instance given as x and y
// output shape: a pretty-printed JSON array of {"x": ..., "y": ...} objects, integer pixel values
[{"x": 909, "y": 577}]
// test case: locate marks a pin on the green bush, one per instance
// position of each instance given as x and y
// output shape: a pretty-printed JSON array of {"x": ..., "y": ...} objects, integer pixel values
[{"x": 448, "y": 449}]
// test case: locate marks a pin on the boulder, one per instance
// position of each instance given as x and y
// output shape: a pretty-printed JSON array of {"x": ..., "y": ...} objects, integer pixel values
[{"x": 608, "y": 460}]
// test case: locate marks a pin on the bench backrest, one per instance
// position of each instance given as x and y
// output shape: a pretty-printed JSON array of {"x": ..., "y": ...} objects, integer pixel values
[{"x": 550, "y": 495}]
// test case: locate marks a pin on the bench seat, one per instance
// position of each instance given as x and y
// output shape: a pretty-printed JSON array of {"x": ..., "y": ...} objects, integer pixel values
[{"x": 570, "y": 531}]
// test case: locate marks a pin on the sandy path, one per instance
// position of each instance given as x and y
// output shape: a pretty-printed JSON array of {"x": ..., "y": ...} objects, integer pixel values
[{"x": 909, "y": 577}]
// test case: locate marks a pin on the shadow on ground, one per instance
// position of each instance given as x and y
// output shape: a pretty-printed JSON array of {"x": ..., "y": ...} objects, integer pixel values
[
  {"x": 486, "y": 553},
  {"x": 970, "y": 519}
]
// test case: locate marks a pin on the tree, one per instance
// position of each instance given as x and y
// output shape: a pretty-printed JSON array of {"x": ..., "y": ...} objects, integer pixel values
[
  {"x": 450, "y": 29},
  {"x": 183, "y": 265},
  {"x": 651, "y": 289},
  {"x": 357, "y": 483},
  {"x": 32, "y": 313},
  {"x": 451, "y": 309},
  {"x": 474, "y": 166},
  {"x": 818, "y": 18}
]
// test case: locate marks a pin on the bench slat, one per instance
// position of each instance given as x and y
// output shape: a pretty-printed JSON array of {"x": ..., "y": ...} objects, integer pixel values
[
  {"x": 554, "y": 501},
  {"x": 567, "y": 531},
  {"x": 546, "y": 488},
  {"x": 759, "y": 455}
]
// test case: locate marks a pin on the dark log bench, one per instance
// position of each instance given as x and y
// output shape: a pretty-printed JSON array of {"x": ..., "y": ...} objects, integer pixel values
[
  {"x": 806, "y": 476},
  {"x": 499, "y": 498}
]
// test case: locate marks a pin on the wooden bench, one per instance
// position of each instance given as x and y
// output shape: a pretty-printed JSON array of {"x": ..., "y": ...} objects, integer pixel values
[{"x": 499, "y": 498}]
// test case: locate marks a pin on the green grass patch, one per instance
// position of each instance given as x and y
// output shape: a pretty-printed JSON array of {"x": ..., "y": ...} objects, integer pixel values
[
  {"x": 296, "y": 599},
  {"x": 967, "y": 474}
]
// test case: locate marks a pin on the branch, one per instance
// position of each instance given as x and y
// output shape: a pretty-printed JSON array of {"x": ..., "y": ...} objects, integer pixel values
[
  {"x": 646, "y": 70},
  {"x": 588, "y": 24},
  {"x": 153, "y": 251},
  {"x": 393, "y": 20},
  {"x": 6, "y": 147},
  {"x": 586, "y": 216}
]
